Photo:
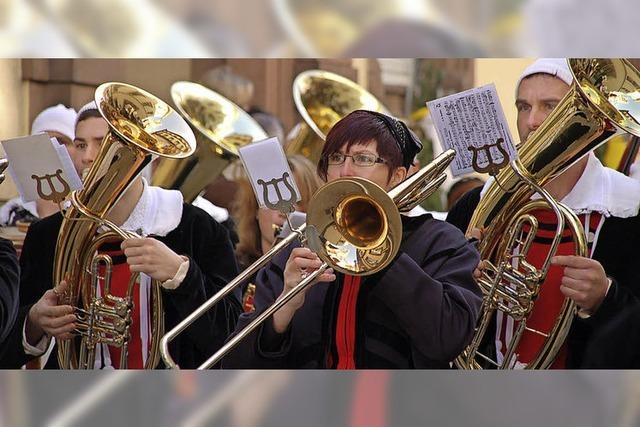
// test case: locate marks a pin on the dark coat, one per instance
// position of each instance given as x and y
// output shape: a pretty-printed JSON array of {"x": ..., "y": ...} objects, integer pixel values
[
  {"x": 212, "y": 265},
  {"x": 9, "y": 283},
  {"x": 419, "y": 312}
]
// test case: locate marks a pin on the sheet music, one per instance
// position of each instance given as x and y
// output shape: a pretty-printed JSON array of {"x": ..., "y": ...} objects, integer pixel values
[
  {"x": 270, "y": 175},
  {"x": 473, "y": 123},
  {"x": 40, "y": 155}
]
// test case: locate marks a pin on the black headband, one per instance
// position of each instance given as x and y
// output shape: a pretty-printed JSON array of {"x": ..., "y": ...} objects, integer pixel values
[{"x": 407, "y": 141}]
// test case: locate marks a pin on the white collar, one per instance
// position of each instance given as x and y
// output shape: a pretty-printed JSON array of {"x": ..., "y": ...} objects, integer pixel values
[
  {"x": 157, "y": 213},
  {"x": 216, "y": 212},
  {"x": 600, "y": 189},
  {"x": 604, "y": 190}
]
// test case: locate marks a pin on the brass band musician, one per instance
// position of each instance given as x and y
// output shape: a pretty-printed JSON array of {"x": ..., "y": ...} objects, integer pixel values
[
  {"x": 604, "y": 284},
  {"x": 181, "y": 246},
  {"x": 418, "y": 312}
]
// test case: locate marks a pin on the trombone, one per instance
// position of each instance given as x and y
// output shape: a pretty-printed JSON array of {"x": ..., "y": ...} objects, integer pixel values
[{"x": 352, "y": 224}]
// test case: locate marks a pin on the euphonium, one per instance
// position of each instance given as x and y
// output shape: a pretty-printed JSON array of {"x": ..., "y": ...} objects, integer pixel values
[
  {"x": 322, "y": 99},
  {"x": 221, "y": 128},
  {"x": 601, "y": 103},
  {"x": 352, "y": 224},
  {"x": 141, "y": 125}
]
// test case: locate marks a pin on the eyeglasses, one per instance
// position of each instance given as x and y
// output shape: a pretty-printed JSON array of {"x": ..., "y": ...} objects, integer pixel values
[{"x": 359, "y": 159}]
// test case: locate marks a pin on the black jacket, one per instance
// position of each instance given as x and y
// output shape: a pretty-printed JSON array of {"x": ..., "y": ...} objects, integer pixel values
[
  {"x": 618, "y": 250},
  {"x": 9, "y": 281},
  {"x": 212, "y": 265}
]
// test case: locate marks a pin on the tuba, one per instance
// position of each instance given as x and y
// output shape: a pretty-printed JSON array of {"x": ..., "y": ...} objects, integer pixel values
[
  {"x": 221, "y": 128},
  {"x": 322, "y": 99},
  {"x": 140, "y": 125},
  {"x": 601, "y": 103},
  {"x": 352, "y": 224}
]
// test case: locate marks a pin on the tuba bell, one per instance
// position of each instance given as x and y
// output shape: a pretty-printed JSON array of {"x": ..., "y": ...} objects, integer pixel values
[
  {"x": 601, "y": 103},
  {"x": 140, "y": 125},
  {"x": 352, "y": 224},
  {"x": 322, "y": 99},
  {"x": 221, "y": 127}
]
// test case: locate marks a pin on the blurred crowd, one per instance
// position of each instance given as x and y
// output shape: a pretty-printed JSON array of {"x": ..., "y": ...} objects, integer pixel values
[{"x": 288, "y": 28}]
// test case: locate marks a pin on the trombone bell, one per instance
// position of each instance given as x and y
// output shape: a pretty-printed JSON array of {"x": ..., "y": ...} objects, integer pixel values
[
  {"x": 356, "y": 227},
  {"x": 362, "y": 221}
]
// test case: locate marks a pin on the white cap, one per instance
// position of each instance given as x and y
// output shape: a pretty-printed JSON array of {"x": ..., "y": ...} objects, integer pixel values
[
  {"x": 557, "y": 67},
  {"x": 55, "y": 119},
  {"x": 88, "y": 106},
  {"x": 91, "y": 105}
]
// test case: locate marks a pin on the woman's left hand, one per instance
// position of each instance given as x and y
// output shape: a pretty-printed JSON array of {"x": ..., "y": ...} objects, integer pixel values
[{"x": 152, "y": 257}]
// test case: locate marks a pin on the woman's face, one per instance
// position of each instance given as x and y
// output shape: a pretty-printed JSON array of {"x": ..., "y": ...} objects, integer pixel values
[
  {"x": 377, "y": 173},
  {"x": 267, "y": 218}
]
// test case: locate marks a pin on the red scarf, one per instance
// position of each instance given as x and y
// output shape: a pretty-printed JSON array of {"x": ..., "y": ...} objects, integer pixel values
[{"x": 346, "y": 323}]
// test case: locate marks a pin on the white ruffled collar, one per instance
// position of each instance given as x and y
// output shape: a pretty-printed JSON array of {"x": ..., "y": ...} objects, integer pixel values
[
  {"x": 600, "y": 189},
  {"x": 604, "y": 190},
  {"x": 158, "y": 212}
]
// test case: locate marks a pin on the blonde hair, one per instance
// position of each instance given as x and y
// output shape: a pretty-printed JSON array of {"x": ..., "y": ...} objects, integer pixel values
[{"x": 245, "y": 208}]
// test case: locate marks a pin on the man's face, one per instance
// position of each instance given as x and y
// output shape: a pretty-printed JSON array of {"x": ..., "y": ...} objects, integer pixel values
[
  {"x": 89, "y": 135},
  {"x": 62, "y": 139},
  {"x": 68, "y": 143},
  {"x": 537, "y": 96}
]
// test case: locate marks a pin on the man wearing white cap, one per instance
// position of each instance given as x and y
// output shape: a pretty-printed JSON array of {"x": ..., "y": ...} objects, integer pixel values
[
  {"x": 58, "y": 122},
  {"x": 607, "y": 203}
]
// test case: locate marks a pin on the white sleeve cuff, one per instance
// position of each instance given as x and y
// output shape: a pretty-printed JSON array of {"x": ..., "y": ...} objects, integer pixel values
[
  {"x": 40, "y": 348},
  {"x": 179, "y": 277}
]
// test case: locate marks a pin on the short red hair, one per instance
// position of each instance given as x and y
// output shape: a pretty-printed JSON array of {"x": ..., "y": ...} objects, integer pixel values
[{"x": 358, "y": 128}]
